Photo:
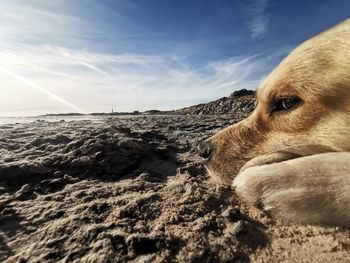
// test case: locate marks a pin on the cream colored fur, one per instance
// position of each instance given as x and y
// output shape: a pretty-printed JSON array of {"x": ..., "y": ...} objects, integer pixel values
[
  {"x": 296, "y": 164},
  {"x": 311, "y": 189}
]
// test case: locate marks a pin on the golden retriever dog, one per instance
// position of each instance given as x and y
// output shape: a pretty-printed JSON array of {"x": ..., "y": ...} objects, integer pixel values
[{"x": 292, "y": 154}]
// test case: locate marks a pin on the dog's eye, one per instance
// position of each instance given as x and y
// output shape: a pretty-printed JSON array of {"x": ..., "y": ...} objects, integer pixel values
[{"x": 286, "y": 104}]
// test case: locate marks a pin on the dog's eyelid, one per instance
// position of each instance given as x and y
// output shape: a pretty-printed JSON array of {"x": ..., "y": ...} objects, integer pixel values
[{"x": 285, "y": 104}]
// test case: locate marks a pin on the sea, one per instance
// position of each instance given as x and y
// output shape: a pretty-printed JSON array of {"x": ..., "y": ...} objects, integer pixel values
[{"x": 14, "y": 120}]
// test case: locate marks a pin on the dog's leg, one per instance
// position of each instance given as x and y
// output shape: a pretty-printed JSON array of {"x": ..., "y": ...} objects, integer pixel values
[{"x": 312, "y": 189}]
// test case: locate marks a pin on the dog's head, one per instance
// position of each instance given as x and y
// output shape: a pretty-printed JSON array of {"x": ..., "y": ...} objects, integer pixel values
[{"x": 303, "y": 108}]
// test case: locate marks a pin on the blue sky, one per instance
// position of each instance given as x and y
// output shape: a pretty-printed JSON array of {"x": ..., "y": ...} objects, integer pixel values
[{"x": 94, "y": 55}]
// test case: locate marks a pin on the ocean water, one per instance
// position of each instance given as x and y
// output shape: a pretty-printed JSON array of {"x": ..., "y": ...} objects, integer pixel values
[{"x": 13, "y": 120}]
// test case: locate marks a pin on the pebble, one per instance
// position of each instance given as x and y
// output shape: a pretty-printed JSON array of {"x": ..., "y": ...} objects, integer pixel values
[
  {"x": 70, "y": 179},
  {"x": 149, "y": 177},
  {"x": 25, "y": 190}
]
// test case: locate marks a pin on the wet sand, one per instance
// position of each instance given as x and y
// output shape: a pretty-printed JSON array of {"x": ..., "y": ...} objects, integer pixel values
[{"x": 133, "y": 190}]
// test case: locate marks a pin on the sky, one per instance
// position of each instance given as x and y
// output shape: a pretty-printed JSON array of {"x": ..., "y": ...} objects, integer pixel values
[{"x": 94, "y": 55}]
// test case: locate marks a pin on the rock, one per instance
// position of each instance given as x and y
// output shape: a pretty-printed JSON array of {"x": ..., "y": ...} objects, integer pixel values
[
  {"x": 147, "y": 176},
  {"x": 24, "y": 192},
  {"x": 70, "y": 179},
  {"x": 240, "y": 103},
  {"x": 52, "y": 185},
  {"x": 242, "y": 92}
]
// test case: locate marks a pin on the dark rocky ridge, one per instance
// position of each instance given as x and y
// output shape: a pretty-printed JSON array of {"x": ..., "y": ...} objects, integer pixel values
[{"x": 240, "y": 102}]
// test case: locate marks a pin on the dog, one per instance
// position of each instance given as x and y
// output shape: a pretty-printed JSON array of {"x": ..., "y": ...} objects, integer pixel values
[{"x": 292, "y": 154}]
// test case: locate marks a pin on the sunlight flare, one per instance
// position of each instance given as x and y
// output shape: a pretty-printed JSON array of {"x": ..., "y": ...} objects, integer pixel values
[{"x": 43, "y": 90}]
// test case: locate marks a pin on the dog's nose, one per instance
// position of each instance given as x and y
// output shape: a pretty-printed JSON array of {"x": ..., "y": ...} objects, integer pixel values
[{"x": 204, "y": 149}]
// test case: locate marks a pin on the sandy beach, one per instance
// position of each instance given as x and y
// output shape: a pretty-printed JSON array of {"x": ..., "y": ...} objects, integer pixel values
[{"x": 133, "y": 190}]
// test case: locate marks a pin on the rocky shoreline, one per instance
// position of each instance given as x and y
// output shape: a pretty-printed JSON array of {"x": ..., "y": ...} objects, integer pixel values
[{"x": 240, "y": 103}]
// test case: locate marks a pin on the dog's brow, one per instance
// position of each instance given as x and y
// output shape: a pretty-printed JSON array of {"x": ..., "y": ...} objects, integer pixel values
[
  {"x": 264, "y": 94},
  {"x": 258, "y": 93}
]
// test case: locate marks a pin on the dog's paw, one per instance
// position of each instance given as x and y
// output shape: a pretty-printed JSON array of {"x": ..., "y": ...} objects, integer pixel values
[
  {"x": 261, "y": 185},
  {"x": 309, "y": 189}
]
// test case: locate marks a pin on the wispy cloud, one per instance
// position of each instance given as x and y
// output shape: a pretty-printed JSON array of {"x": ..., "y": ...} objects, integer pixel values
[
  {"x": 97, "y": 82},
  {"x": 258, "y": 18}
]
